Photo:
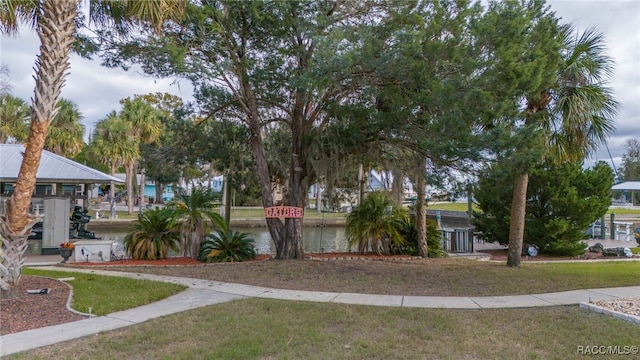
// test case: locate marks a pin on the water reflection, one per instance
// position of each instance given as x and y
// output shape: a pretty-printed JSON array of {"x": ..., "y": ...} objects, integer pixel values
[{"x": 316, "y": 239}]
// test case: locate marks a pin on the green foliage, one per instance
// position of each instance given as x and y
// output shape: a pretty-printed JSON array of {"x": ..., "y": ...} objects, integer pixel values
[
  {"x": 630, "y": 168},
  {"x": 109, "y": 294},
  {"x": 409, "y": 245},
  {"x": 66, "y": 133},
  {"x": 562, "y": 201},
  {"x": 14, "y": 119},
  {"x": 225, "y": 244},
  {"x": 153, "y": 234},
  {"x": 193, "y": 208},
  {"x": 375, "y": 224}
]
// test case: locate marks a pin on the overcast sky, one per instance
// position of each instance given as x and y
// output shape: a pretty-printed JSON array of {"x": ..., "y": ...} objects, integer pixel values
[{"x": 97, "y": 90}]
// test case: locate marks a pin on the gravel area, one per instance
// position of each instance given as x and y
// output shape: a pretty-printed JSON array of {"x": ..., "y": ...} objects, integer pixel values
[{"x": 629, "y": 306}]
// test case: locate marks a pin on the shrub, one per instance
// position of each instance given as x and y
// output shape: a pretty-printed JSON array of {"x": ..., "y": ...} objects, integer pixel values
[
  {"x": 225, "y": 244},
  {"x": 562, "y": 201},
  {"x": 375, "y": 224},
  {"x": 153, "y": 234},
  {"x": 410, "y": 235}
]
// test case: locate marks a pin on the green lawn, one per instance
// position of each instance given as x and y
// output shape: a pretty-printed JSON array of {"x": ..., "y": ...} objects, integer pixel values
[
  {"x": 278, "y": 329},
  {"x": 108, "y": 294},
  {"x": 257, "y": 212}
]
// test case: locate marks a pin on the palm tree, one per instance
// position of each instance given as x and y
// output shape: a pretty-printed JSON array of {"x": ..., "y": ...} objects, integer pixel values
[
  {"x": 580, "y": 116},
  {"x": 66, "y": 131},
  {"x": 375, "y": 223},
  {"x": 194, "y": 209},
  {"x": 55, "y": 23},
  {"x": 225, "y": 244},
  {"x": 14, "y": 119},
  {"x": 146, "y": 128},
  {"x": 113, "y": 145},
  {"x": 152, "y": 236}
]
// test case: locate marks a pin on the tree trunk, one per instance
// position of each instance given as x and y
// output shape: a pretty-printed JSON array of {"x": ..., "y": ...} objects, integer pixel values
[
  {"x": 275, "y": 226},
  {"x": 14, "y": 246},
  {"x": 292, "y": 245},
  {"x": 55, "y": 28},
  {"x": 517, "y": 220},
  {"x": 397, "y": 187},
  {"x": 112, "y": 193},
  {"x": 421, "y": 210},
  {"x": 142, "y": 186},
  {"x": 129, "y": 180},
  {"x": 159, "y": 192}
]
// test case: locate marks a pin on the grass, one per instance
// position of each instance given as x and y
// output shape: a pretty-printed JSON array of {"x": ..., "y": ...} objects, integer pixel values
[
  {"x": 108, "y": 294},
  {"x": 451, "y": 206},
  {"x": 623, "y": 211},
  {"x": 278, "y": 329},
  {"x": 434, "y": 277},
  {"x": 258, "y": 212}
]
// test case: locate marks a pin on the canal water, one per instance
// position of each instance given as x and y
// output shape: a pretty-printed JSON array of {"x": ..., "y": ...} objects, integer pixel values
[{"x": 316, "y": 239}]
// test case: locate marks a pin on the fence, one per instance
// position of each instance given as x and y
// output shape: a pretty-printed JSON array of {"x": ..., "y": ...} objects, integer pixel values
[
  {"x": 622, "y": 231},
  {"x": 457, "y": 240}
]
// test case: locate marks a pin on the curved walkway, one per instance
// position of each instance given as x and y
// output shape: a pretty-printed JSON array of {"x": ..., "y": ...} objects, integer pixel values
[{"x": 202, "y": 293}]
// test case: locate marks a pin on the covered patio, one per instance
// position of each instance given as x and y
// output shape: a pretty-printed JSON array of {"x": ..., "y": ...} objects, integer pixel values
[
  {"x": 631, "y": 186},
  {"x": 60, "y": 182}
]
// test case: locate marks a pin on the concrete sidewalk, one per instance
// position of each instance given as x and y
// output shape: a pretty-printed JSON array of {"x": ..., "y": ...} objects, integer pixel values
[{"x": 204, "y": 292}]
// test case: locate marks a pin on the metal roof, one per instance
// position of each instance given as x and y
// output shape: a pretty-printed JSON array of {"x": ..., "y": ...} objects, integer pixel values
[
  {"x": 627, "y": 185},
  {"x": 52, "y": 169}
]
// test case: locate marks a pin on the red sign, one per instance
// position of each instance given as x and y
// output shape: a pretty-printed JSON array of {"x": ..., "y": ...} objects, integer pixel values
[{"x": 283, "y": 212}]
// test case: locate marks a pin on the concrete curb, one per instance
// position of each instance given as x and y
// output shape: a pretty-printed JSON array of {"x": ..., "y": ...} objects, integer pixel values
[{"x": 616, "y": 314}]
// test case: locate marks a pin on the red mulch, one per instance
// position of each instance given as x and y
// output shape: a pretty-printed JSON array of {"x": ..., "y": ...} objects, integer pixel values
[
  {"x": 171, "y": 261},
  {"x": 24, "y": 311},
  {"x": 182, "y": 261}
]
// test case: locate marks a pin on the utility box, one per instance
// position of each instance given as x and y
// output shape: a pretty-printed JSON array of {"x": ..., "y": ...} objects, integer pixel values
[
  {"x": 93, "y": 250},
  {"x": 55, "y": 229}
]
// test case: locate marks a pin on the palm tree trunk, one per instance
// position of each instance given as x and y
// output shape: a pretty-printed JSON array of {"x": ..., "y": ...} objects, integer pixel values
[
  {"x": 14, "y": 246},
  {"x": 517, "y": 220},
  {"x": 55, "y": 28},
  {"x": 112, "y": 193},
  {"x": 129, "y": 179},
  {"x": 421, "y": 211}
]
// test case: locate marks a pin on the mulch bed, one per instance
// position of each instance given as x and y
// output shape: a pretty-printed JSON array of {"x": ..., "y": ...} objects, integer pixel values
[
  {"x": 185, "y": 261},
  {"x": 24, "y": 311}
]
